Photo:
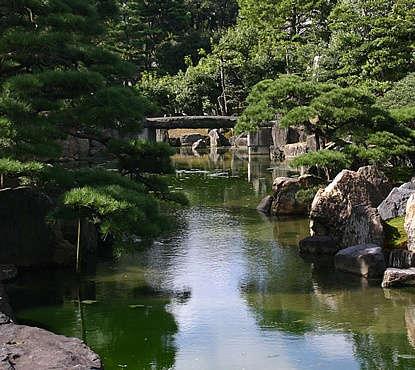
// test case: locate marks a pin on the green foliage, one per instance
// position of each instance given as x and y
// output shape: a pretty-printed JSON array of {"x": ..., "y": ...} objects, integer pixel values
[
  {"x": 330, "y": 161},
  {"x": 306, "y": 196},
  {"x": 401, "y": 95},
  {"x": 137, "y": 156},
  {"x": 370, "y": 41},
  {"x": 10, "y": 167},
  {"x": 271, "y": 99},
  {"x": 58, "y": 78},
  {"x": 195, "y": 91},
  {"x": 395, "y": 234},
  {"x": 118, "y": 210}
]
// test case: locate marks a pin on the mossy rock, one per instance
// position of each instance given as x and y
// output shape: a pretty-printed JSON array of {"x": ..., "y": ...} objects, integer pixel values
[{"x": 395, "y": 234}]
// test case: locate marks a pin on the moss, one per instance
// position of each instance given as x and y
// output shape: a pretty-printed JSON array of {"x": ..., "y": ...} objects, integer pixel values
[{"x": 395, "y": 234}]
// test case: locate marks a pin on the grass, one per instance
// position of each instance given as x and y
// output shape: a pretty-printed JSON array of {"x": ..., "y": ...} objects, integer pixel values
[{"x": 395, "y": 234}]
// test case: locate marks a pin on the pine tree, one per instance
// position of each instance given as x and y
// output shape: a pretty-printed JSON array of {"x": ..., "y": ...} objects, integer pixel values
[{"x": 57, "y": 80}]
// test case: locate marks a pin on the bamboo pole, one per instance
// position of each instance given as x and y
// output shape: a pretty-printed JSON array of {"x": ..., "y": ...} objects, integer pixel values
[{"x": 78, "y": 246}]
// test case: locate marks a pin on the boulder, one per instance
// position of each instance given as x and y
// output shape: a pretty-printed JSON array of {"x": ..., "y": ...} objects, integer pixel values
[
  {"x": 282, "y": 136},
  {"x": 75, "y": 148},
  {"x": 265, "y": 205},
  {"x": 366, "y": 260},
  {"x": 311, "y": 143},
  {"x": 189, "y": 140},
  {"x": 395, "y": 203},
  {"x": 398, "y": 277},
  {"x": 285, "y": 201},
  {"x": 24, "y": 347},
  {"x": 410, "y": 223},
  {"x": 217, "y": 139},
  {"x": 294, "y": 150},
  {"x": 318, "y": 245},
  {"x": 346, "y": 208}
]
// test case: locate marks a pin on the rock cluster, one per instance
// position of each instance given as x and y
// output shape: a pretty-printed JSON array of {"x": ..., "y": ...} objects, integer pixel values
[{"x": 346, "y": 209}]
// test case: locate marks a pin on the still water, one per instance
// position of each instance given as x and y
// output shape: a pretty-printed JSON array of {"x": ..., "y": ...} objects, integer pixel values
[{"x": 226, "y": 290}]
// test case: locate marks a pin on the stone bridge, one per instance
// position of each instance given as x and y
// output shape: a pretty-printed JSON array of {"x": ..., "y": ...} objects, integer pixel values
[
  {"x": 154, "y": 128},
  {"x": 211, "y": 122}
]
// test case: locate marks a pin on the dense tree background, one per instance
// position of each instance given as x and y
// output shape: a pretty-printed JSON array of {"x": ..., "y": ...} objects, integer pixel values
[{"x": 94, "y": 68}]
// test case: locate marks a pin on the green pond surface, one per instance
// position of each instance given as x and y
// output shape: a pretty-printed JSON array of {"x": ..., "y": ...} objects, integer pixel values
[{"x": 225, "y": 290}]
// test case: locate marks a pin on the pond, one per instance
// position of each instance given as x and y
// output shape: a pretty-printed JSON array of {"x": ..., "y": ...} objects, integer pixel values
[{"x": 225, "y": 290}]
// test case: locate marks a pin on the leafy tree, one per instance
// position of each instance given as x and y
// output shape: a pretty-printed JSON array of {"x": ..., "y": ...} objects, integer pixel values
[
  {"x": 271, "y": 100},
  {"x": 371, "y": 42}
]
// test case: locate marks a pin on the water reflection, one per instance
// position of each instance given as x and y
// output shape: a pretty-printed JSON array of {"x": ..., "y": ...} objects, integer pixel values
[{"x": 226, "y": 290}]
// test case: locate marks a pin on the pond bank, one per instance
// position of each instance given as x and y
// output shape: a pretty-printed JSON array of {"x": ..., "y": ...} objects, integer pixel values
[{"x": 24, "y": 347}]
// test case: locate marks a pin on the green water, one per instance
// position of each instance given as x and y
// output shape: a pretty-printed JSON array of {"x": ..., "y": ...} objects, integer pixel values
[{"x": 226, "y": 290}]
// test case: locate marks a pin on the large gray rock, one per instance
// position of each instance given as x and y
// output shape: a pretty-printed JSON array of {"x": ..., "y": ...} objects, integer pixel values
[
  {"x": 282, "y": 136},
  {"x": 75, "y": 148},
  {"x": 346, "y": 208},
  {"x": 366, "y": 260},
  {"x": 294, "y": 150},
  {"x": 395, "y": 203},
  {"x": 318, "y": 245},
  {"x": 27, "y": 348},
  {"x": 410, "y": 223},
  {"x": 285, "y": 200},
  {"x": 398, "y": 277}
]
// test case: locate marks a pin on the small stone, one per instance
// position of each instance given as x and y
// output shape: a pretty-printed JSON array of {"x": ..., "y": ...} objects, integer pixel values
[
  {"x": 366, "y": 260},
  {"x": 398, "y": 277}
]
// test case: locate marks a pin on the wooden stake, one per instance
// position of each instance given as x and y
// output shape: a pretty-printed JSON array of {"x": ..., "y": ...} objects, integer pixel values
[{"x": 78, "y": 246}]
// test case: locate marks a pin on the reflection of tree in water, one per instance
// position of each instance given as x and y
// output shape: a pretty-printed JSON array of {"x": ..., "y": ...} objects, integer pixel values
[
  {"x": 332, "y": 302},
  {"x": 120, "y": 317}
]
